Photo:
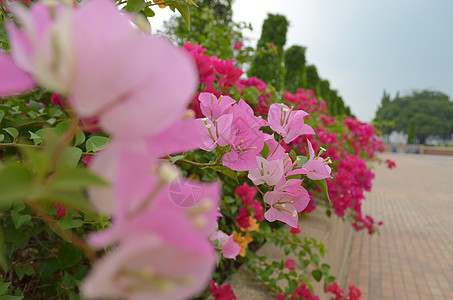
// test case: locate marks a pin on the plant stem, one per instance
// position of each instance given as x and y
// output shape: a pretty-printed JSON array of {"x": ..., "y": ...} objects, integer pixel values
[{"x": 62, "y": 232}]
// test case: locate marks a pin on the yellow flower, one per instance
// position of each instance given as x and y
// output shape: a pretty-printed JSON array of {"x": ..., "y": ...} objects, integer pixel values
[
  {"x": 242, "y": 241},
  {"x": 254, "y": 226}
]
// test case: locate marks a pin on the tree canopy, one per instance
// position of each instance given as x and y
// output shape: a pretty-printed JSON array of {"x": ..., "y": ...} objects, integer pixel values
[{"x": 429, "y": 112}]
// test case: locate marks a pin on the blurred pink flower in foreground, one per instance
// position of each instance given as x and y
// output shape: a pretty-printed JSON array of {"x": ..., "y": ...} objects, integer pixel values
[{"x": 66, "y": 53}]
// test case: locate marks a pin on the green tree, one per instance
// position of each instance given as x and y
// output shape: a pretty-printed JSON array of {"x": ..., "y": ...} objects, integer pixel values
[
  {"x": 267, "y": 64},
  {"x": 412, "y": 132},
  {"x": 431, "y": 110},
  {"x": 211, "y": 25},
  {"x": 294, "y": 68}
]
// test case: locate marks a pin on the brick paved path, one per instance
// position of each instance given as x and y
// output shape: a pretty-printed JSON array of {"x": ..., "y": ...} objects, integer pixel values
[{"x": 413, "y": 256}]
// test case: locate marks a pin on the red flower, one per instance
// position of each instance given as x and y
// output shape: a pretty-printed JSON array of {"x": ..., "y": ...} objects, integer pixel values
[
  {"x": 289, "y": 264},
  {"x": 61, "y": 210},
  {"x": 294, "y": 230},
  {"x": 221, "y": 292}
]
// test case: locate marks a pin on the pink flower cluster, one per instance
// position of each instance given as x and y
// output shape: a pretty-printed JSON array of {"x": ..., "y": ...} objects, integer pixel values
[
  {"x": 235, "y": 130},
  {"x": 348, "y": 151},
  {"x": 354, "y": 138}
]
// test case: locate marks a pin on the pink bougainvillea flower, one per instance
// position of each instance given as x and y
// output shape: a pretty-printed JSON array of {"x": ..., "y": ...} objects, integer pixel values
[
  {"x": 139, "y": 97},
  {"x": 246, "y": 139},
  {"x": 147, "y": 268},
  {"x": 64, "y": 50},
  {"x": 276, "y": 151},
  {"x": 229, "y": 248},
  {"x": 44, "y": 46},
  {"x": 213, "y": 108},
  {"x": 268, "y": 172},
  {"x": 287, "y": 199},
  {"x": 295, "y": 188},
  {"x": 12, "y": 79},
  {"x": 288, "y": 123},
  {"x": 317, "y": 167},
  {"x": 281, "y": 208},
  {"x": 137, "y": 157},
  {"x": 213, "y": 133},
  {"x": 180, "y": 136}
]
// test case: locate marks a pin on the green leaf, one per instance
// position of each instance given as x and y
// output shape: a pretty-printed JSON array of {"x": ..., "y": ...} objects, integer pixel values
[
  {"x": 12, "y": 131},
  {"x": 3, "y": 261},
  {"x": 39, "y": 160},
  {"x": 28, "y": 270},
  {"x": 36, "y": 137},
  {"x": 2, "y": 137},
  {"x": 293, "y": 154},
  {"x": 302, "y": 160},
  {"x": 323, "y": 185},
  {"x": 68, "y": 280},
  {"x": 4, "y": 287},
  {"x": 20, "y": 274},
  {"x": 314, "y": 258},
  {"x": 96, "y": 143},
  {"x": 184, "y": 10},
  {"x": 149, "y": 12},
  {"x": 9, "y": 297},
  {"x": 47, "y": 268},
  {"x": 331, "y": 279},
  {"x": 3, "y": 33},
  {"x": 15, "y": 183},
  {"x": 68, "y": 222},
  {"x": 19, "y": 219},
  {"x": 191, "y": 2},
  {"x": 73, "y": 199},
  {"x": 63, "y": 127},
  {"x": 68, "y": 255},
  {"x": 225, "y": 170},
  {"x": 325, "y": 268},
  {"x": 75, "y": 179},
  {"x": 134, "y": 6},
  {"x": 70, "y": 157},
  {"x": 317, "y": 275},
  {"x": 2, "y": 114},
  {"x": 176, "y": 158},
  {"x": 265, "y": 151}
]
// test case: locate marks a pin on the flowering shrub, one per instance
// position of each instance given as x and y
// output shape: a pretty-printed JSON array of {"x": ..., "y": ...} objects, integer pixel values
[{"x": 172, "y": 197}]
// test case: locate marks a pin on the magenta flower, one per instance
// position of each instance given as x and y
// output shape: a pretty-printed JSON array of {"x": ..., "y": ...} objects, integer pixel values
[
  {"x": 268, "y": 172},
  {"x": 213, "y": 108},
  {"x": 288, "y": 123},
  {"x": 317, "y": 167}
]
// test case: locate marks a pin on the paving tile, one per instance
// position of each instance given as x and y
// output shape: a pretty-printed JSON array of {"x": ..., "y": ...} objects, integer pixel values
[{"x": 412, "y": 258}]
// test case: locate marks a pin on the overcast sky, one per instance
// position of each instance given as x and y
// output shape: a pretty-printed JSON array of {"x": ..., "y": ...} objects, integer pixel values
[{"x": 364, "y": 46}]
